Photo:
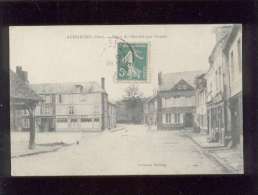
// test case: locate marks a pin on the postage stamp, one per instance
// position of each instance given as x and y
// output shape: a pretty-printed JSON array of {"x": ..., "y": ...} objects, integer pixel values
[{"x": 132, "y": 61}]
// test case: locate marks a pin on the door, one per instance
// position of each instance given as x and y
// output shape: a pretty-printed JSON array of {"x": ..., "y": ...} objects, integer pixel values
[
  {"x": 44, "y": 124},
  {"x": 235, "y": 118},
  {"x": 74, "y": 123},
  {"x": 188, "y": 120}
]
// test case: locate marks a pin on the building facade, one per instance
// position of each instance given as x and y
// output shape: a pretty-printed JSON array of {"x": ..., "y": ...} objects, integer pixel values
[
  {"x": 150, "y": 111},
  {"x": 22, "y": 99},
  {"x": 218, "y": 90},
  {"x": 176, "y": 100},
  {"x": 200, "y": 101},
  {"x": 112, "y": 115},
  {"x": 233, "y": 59},
  {"x": 74, "y": 107}
]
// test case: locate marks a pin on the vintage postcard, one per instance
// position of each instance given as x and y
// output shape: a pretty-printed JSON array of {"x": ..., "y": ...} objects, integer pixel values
[{"x": 126, "y": 100}]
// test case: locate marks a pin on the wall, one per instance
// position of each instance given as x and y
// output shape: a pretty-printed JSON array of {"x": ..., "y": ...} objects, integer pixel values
[
  {"x": 46, "y": 108},
  {"x": 178, "y": 102},
  {"x": 150, "y": 112},
  {"x": 84, "y": 104},
  {"x": 78, "y": 111},
  {"x": 112, "y": 116},
  {"x": 235, "y": 65},
  {"x": 215, "y": 74},
  {"x": 201, "y": 109}
]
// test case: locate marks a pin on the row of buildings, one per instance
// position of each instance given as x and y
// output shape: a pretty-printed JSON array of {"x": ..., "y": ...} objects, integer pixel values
[
  {"x": 224, "y": 87},
  {"x": 63, "y": 106},
  {"x": 208, "y": 101}
]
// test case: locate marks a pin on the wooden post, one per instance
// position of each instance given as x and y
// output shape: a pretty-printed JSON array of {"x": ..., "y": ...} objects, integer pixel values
[
  {"x": 31, "y": 109},
  {"x": 159, "y": 111},
  {"x": 103, "y": 104}
]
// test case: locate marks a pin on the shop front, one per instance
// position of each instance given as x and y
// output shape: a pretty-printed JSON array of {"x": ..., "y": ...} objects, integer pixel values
[
  {"x": 236, "y": 110},
  {"x": 216, "y": 124}
]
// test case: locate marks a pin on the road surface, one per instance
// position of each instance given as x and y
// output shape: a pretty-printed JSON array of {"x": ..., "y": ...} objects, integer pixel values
[{"x": 132, "y": 151}]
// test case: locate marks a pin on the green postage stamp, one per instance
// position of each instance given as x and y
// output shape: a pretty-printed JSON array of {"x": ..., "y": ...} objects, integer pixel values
[{"x": 132, "y": 61}]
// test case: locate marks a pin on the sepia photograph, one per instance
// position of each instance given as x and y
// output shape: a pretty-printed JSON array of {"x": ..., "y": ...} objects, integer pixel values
[{"x": 126, "y": 100}]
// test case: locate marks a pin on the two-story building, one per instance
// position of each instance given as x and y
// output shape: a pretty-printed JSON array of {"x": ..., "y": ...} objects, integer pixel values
[
  {"x": 74, "y": 107},
  {"x": 200, "y": 101},
  {"x": 233, "y": 59},
  {"x": 217, "y": 89},
  {"x": 23, "y": 100},
  {"x": 176, "y": 100}
]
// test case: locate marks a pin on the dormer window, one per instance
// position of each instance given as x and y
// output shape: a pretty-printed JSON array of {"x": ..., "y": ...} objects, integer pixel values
[{"x": 79, "y": 88}]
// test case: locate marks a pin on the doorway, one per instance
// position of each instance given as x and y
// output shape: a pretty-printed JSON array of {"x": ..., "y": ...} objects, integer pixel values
[{"x": 188, "y": 120}]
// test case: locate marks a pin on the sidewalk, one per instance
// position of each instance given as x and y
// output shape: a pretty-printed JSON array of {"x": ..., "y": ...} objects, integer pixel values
[
  {"x": 45, "y": 142},
  {"x": 232, "y": 159},
  {"x": 48, "y": 141},
  {"x": 118, "y": 128},
  {"x": 202, "y": 141}
]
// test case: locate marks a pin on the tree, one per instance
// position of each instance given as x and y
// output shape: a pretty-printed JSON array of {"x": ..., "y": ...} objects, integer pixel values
[
  {"x": 31, "y": 109},
  {"x": 133, "y": 91},
  {"x": 133, "y": 99}
]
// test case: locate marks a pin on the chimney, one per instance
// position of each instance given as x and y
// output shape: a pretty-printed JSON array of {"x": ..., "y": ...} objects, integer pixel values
[
  {"x": 159, "y": 79},
  {"x": 220, "y": 32},
  {"x": 103, "y": 83},
  {"x": 23, "y": 75}
]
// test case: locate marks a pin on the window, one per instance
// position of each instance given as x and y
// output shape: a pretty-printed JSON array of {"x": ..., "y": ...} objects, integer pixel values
[
  {"x": 71, "y": 110},
  {"x": 60, "y": 98},
  {"x": 45, "y": 109},
  {"x": 232, "y": 64},
  {"x": 163, "y": 102},
  {"x": 219, "y": 77},
  {"x": 74, "y": 120},
  {"x": 26, "y": 123},
  {"x": 41, "y": 109},
  {"x": 177, "y": 118},
  {"x": 182, "y": 86},
  {"x": 216, "y": 77},
  {"x": 239, "y": 55},
  {"x": 48, "y": 99},
  {"x": 86, "y": 120},
  {"x": 61, "y": 120},
  {"x": 96, "y": 119},
  {"x": 168, "y": 117},
  {"x": 185, "y": 87},
  {"x": 198, "y": 99}
]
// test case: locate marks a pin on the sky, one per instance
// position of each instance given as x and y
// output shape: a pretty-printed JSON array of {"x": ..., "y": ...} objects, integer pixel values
[{"x": 53, "y": 54}]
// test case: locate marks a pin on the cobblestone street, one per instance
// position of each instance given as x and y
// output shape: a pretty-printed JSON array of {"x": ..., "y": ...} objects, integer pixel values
[{"x": 135, "y": 150}]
